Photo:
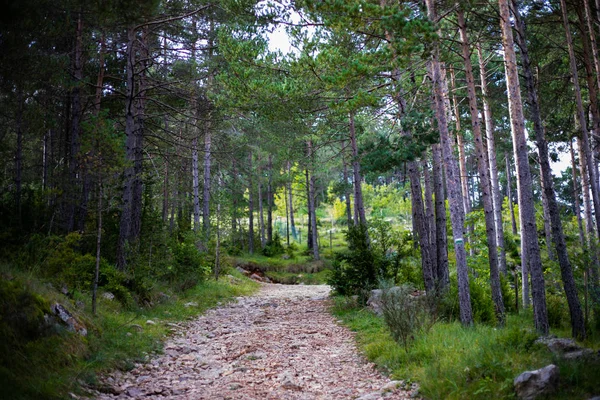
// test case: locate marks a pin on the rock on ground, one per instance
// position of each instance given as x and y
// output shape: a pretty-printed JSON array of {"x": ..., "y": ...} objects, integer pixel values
[
  {"x": 532, "y": 384},
  {"x": 279, "y": 344}
]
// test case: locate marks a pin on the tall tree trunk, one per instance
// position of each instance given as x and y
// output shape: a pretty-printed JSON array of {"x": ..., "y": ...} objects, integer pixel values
[
  {"x": 291, "y": 202},
  {"x": 234, "y": 202},
  {"x": 591, "y": 167},
  {"x": 557, "y": 235},
  {"x": 593, "y": 42},
  {"x": 309, "y": 240},
  {"x": 457, "y": 214},
  {"x": 482, "y": 165},
  {"x": 261, "y": 217},
  {"x": 358, "y": 198},
  {"x": 127, "y": 216},
  {"x": 443, "y": 275},
  {"x": 430, "y": 214},
  {"x": 206, "y": 186},
  {"x": 312, "y": 207},
  {"x": 270, "y": 200},
  {"x": 346, "y": 191},
  {"x": 491, "y": 150},
  {"x": 525, "y": 187},
  {"x": 546, "y": 217},
  {"x": 19, "y": 156},
  {"x": 509, "y": 196},
  {"x": 250, "y": 207},
  {"x": 589, "y": 219},
  {"x": 460, "y": 141},
  {"x": 577, "y": 205},
  {"x": 98, "y": 243},
  {"x": 195, "y": 181}
]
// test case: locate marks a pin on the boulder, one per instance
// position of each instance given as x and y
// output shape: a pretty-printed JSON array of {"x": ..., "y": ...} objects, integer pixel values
[
  {"x": 532, "y": 384},
  {"x": 108, "y": 296},
  {"x": 243, "y": 271},
  {"x": 68, "y": 319},
  {"x": 374, "y": 302},
  {"x": 566, "y": 348}
]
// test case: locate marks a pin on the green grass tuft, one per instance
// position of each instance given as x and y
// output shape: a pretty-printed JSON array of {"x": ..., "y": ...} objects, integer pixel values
[{"x": 453, "y": 362}]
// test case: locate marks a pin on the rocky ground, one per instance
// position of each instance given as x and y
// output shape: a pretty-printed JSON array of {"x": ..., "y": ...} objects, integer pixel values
[{"x": 279, "y": 344}]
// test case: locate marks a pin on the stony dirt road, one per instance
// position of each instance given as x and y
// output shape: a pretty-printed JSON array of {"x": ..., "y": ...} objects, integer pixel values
[{"x": 279, "y": 344}]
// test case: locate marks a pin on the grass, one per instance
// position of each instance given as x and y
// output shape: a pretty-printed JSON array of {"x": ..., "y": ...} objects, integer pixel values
[
  {"x": 453, "y": 362},
  {"x": 52, "y": 364}
]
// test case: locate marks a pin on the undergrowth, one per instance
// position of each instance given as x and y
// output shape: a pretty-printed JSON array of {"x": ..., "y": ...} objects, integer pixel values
[
  {"x": 42, "y": 361},
  {"x": 452, "y": 362}
]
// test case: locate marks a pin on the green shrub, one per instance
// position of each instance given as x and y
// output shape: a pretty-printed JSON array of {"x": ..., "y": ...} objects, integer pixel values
[
  {"x": 481, "y": 302},
  {"x": 356, "y": 271},
  {"x": 557, "y": 310},
  {"x": 273, "y": 247},
  {"x": 406, "y": 316}
]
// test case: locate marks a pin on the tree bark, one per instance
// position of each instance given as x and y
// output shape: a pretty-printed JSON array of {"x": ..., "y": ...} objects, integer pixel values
[
  {"x": 457, "y": 214},
  {"x": 270, "y": 200},
  {"x": 513, "y": 220},
  {"x": 482, "y": 165},
  {"x": 443, "y": 274},
  {"x": 291, "y": 202},
  {"x": 525, "y": 187},
  {"x": 195, "y": 181},
  {"x": 493, "y": 164},
  {"x": 311, "y": 204},
  {"x": 591, "y": 168},
  {"x": 430, "y": 217},
  {"x": 557, "y": 235},
  {"x": 206, "y": 186},
  {"x": 346, "y": 191},
  {"x": 261, "y": 217},
  {"x": 576, "y": 204},
  {"x": 359, "y": 206},
  {"x": 250, "y": 207}
]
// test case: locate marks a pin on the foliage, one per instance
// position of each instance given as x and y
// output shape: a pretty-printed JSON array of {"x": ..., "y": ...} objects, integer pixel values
[
  {"x": 356, "y": 271},
  {"x": 274, "y": 247},
  {"x": 481, "y": 302},
  {"x": 407, "y": 316},
  {"x": 455, "y": 362},
  {"x": 39, "y": 358}
]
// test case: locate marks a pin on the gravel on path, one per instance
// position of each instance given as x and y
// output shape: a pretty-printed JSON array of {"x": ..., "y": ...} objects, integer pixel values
[{"x": 281, "y": 343}]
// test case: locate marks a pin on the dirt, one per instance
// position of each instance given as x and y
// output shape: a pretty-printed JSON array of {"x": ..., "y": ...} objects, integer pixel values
[{"x": 279, "y": 344}]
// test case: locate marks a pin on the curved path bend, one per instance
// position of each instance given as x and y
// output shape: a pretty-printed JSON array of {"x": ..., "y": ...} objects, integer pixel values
[{"x": 281, "y": 343}]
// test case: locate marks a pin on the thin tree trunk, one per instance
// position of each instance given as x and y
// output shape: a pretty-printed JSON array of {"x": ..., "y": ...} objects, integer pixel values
[
  {"x": 234, "y": 201},
  {"x": 250, "y": 207},
  {"x": 261, "y": 217},
  {"x": 270, "y": 200},
  {"x": 195, "y": 181},
  {"x": 291, "y": 202},
  {"x": 358, "y": 199},
  {"x": 546, "y": 217},
  {"x": 491, "y": 149},
  {"x": 346, "y": 191},
  {"x": 577, "y": 205},
  {"x": 557, "y": 235},
  {"x": 457, "y": 214},
  {"x": 482, "y": 165},
  {"x": 593, "y": 41},
  {"x": 311, "y": 204},
  {"x": 430, "y": 220},
  {"x": 19, "y": 156},
  {"x": 98, "y": 243},
  {"x": 125, "y": 228},
  {"x": 206, "y": 187},
  {"x": 525, "y": 187},
  {"x": 591, "y": 168},
  {"x": 309, "y": 240},
  {"x": 509, "y": 196},
  {"x": 460, "y": 141},
  {"x": 443, "y": 275}
]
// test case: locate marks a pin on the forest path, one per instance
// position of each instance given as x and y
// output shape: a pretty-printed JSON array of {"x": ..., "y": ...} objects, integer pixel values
[{"x": 278, "y": 344}]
